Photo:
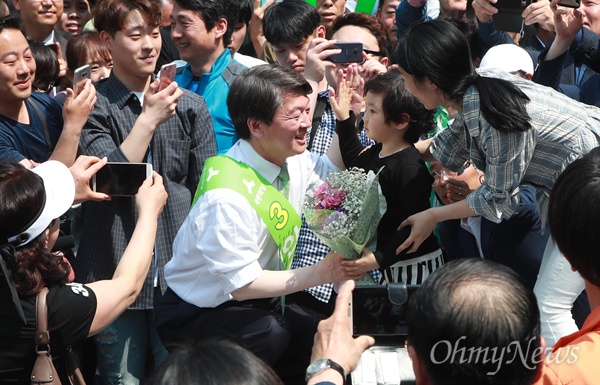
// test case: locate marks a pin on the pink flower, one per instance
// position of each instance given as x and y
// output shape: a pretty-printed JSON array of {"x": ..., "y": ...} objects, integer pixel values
[
  {"x": 333, "y": 199},
  {"x": 321, "y": 191}
]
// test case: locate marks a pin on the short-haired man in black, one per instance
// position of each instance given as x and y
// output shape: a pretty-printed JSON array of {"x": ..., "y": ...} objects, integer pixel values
[{"x": 474, "y": 321}]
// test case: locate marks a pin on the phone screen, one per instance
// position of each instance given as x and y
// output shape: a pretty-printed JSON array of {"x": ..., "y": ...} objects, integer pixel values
[
  {"x": 167, "y": 75},
  {"x": 121, "y": 179},
  {"x": 374, "y": 314}
]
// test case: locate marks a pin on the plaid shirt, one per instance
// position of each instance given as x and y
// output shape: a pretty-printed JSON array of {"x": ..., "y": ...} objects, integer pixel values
[
  {"x": 178, "y": 151},
  {"x": 309, "y": 249},
  {"x": 563, "y": 130}
]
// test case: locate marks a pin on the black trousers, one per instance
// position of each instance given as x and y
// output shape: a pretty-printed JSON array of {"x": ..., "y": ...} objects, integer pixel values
[{"x": 283, "y": 341}]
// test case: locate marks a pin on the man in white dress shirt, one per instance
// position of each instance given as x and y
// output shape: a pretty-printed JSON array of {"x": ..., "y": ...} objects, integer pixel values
[{"x": 225, "y": 279}]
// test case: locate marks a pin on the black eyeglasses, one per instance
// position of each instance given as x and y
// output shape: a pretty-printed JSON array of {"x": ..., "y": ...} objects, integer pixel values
[{"x": 374, "y": 53}]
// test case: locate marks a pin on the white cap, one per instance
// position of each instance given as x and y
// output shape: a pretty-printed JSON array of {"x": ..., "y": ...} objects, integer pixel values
[
  {"x": 508, "y": 58},
  {"x": 60, "y": 193}
]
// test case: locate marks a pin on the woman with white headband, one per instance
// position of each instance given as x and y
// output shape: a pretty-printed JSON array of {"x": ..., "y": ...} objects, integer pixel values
[{"x": 31, "y": 201}]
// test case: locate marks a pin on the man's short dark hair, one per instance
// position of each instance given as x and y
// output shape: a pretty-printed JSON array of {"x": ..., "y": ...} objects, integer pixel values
[
  {"x": 573, "y": 215},
  {"x": 212, "y": 11},
  {"x": 10, "y": 22},
  {"x": 245, "y": 12},
  {"x": 368, "y": 22},
  {"x": 290, "y": 21},
  {"x": 257, "y": 93},
  {"x": 466, "y": 315},
  {"x": 111, "y": 15}
]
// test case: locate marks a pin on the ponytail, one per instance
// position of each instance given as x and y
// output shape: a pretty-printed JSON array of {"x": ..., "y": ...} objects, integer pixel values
[
  {"x": 437, "y": 50},
  {"x": 502, "y": 104}
]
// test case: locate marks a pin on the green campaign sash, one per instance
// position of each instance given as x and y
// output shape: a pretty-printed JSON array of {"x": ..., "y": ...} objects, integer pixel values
[{"x": 274, "y": 209}]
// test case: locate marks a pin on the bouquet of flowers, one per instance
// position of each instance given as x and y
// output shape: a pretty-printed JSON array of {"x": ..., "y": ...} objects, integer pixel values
[{"x": 345, "y": 210}]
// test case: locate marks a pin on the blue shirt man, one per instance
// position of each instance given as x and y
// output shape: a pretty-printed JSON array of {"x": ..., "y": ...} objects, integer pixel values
[
  {"x": 214, "y": 87},
  {"x": 201, "y": 31}
]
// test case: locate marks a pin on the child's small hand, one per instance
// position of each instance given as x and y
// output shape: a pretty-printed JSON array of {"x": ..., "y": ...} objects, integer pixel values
[
  {"x": 357, "y": 84},
  {"x": 340, "y": 101},
  {"x": 362, "y": 265}
]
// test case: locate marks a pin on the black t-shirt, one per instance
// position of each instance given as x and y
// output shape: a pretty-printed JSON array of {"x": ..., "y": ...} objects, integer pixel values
[
  {"x": 71, "y": 310},
  {"x": 406, "y": 185}
]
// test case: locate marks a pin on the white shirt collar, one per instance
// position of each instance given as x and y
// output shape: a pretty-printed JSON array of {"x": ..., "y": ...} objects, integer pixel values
[
  {"x": 49, "y": 39},
  {"x": 266, "y": 169}
]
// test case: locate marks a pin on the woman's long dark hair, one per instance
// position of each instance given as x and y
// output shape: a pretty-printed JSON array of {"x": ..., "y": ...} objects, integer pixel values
[
  {"x": 438, "y": 50},
  {"x": 31, "y": 266}
]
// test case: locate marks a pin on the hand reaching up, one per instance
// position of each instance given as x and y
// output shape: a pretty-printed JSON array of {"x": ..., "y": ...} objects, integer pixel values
[{"x": 341, "y": 101}]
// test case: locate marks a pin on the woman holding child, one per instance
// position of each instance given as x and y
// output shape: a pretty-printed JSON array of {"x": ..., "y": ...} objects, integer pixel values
[{"x": 518, "y": 133}]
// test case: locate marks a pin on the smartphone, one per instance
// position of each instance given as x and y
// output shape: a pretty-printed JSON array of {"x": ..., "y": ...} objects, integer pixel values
[
  {"x": 167, "y": 75},
  {"x": 351, "y": 53},
  {"x": 121, "y": 179},
  {"x": 81, "y": 73},
  {"x": 380, "y": 310},
  {"x": 509, "y": 17},
  {"x": 570, "y": 3}
]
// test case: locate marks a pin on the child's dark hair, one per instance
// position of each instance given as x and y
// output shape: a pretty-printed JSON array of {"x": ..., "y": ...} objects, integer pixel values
[
  {"x": 397, "y": 102},
  {"x": 47, "y": 67}
]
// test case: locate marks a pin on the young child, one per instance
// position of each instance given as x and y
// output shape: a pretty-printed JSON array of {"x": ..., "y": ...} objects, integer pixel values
[{"x": 395, "y": 120}]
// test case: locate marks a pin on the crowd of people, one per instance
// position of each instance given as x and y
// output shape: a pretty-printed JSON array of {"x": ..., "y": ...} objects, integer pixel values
[{"x": 485, "y": 142}]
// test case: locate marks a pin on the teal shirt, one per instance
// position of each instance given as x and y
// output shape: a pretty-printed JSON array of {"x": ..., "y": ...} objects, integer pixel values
[{"x": 214, "y": 87}]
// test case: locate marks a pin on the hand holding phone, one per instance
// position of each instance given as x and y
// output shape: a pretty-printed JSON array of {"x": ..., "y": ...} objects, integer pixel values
[
  {"x": 81, "y": 74},
  {"x": 351, "y": 53},
  {"x": 121, "y": 179},
  {"x": 151, "y": 196},
  {"x": 167, "y": 76}
]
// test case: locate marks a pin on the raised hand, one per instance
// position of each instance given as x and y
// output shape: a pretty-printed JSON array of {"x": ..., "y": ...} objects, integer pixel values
[
  {"x": 341, "y": 100},
  {"x": 357, "y": 84}
]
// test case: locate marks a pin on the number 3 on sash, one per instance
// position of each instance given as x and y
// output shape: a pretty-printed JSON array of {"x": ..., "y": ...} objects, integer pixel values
[{"x": 276, "y": 211}]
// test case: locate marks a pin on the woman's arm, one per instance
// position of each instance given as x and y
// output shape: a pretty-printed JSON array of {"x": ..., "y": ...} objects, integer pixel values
[
  {"x": 116, "y": 295},
  {"x": 423, "y": 223}
]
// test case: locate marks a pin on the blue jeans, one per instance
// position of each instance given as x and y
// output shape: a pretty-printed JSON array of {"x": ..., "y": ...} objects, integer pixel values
[
  {"x": 124, "y": 345},
  {"x": 517, "y": 242}
]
